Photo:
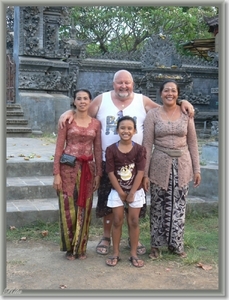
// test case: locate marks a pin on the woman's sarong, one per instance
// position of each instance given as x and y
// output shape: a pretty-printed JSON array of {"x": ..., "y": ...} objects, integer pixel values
[{"x": 167, "y": 213}]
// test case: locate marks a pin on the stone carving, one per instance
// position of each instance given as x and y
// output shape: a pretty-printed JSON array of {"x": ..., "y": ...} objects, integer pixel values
[
  {"x": 10, "y": 18},
  {"x": 74, "y": 49},
  {"x": 215, "y": 57},
  {"x": 158, "y": 52},
  {"x": 161, "y": 52},
  {"x": 132, "y": 56},
  {"x": 197, "y": 62},
  {"x": 50, "y": 41},
  {"x": 195, "y": 98},
  {"x": 30, "y": 37},
  {"x": 40, "y": 31},
  {"x": 52, "y": 81},
  {"x": 9, "y": 30},
  {"x": 38, "y": 43}
]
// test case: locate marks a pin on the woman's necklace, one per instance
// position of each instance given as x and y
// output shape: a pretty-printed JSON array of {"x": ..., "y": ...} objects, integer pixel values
[{"x": 169, "y": 120}]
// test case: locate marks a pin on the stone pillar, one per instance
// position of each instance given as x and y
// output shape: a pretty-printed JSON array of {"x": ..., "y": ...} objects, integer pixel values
[{"x": 43, "y": 78}]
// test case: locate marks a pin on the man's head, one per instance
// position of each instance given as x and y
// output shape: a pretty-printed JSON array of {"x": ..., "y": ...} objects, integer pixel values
[{"x": 123, "y": 84}]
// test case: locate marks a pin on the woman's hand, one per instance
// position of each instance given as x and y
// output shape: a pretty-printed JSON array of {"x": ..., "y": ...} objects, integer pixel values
[
  {"x": 68, "y": 115},
  {"x": 187, "y": 107},
  {"x": 96, "y": 183},
  {"x": 197, "y": 179},
  {"x": 146, "y": 184},
  {"x": 57, "y": 183}
]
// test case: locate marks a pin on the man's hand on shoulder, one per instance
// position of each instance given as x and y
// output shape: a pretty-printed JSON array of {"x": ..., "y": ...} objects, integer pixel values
[
  {"x": 68, "y": 115},
  {"x": 187, "y": 108}
]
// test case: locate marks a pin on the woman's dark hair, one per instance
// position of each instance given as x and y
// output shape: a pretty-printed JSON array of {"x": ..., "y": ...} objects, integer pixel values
[
  {"x": 80, "y": 90},
  {"x": 126, "y": 118},
  {"x": 166, "y": 81}
]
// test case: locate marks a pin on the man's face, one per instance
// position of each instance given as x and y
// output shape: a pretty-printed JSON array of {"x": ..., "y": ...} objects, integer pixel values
[{"x": 123, "y": 85}]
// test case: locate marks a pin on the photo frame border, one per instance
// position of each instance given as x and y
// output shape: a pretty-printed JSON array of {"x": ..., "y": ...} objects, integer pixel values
[{"x": 223, "y": 163}]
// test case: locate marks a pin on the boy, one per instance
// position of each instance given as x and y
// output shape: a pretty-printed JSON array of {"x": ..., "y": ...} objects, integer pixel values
[{"x": 125, "y": 163}]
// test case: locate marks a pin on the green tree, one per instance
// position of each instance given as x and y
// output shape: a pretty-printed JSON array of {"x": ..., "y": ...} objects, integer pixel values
[{"x": 117, "y": 29}]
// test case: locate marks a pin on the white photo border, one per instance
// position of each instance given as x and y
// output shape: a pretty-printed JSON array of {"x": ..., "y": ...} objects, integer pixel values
[{"x": 223, "y": 164}]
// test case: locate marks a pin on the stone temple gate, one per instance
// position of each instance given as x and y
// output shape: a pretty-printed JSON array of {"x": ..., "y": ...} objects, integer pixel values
[
  {"x": 43, "y": 77},
  {"x": 49, "y": 69}
]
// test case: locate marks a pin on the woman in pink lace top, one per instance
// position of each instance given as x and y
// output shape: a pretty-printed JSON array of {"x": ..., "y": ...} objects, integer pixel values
[
  {"x": 75, "y": 185},
  {"x": 169, "y": 169}
]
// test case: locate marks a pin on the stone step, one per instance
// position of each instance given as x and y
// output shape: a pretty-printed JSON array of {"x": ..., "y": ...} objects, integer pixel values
[
  {"x": 16, "y": 122},
  {"x": 13, "y": 106},
  {"x": 19, "y": 128},
  {"x": 15, "y": 113},
  {"x": 18, "y": 134},
  {"x": 29, "y": 211},
  {"x": 21, "y": 132},
  {"x": 18, "y": 131},
  {"x": 31, "y": 197},
  {"x": 29, "y": 187},
  {"x": 29, "y": 168}
]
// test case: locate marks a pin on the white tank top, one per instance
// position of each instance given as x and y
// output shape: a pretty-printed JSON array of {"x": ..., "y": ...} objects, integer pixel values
[{"x": 108, "y": 116}]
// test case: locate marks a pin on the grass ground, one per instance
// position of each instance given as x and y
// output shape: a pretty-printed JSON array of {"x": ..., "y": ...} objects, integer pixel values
[{"x": 201, "y": 237}]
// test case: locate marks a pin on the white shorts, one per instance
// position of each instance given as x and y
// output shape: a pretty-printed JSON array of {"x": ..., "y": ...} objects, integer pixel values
[{"x": 115, "y": 201}]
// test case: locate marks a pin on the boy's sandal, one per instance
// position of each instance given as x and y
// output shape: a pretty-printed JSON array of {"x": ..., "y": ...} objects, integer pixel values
[
  {"x": 112, "y": 261},
  {"x": 136, "y": 262},
  {"x": 141, "y": 249},
  {"x": 103, "y": 247}
]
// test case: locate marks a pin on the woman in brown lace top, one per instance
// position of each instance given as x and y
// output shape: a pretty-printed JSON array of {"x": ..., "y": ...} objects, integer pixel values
[
  {"x": 75, "y": 185},
  {"x": 169, "y": 169}
]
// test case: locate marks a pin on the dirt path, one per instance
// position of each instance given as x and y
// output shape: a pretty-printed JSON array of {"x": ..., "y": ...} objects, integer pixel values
[{"x": 40, "y": 265}]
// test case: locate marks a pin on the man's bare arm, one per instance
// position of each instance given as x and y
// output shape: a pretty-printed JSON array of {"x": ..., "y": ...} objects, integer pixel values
[
  {"x": 149, "y": 104},
  {"x": 67, "y": 115},
  {"x": 186, "y": 106},
  {"x": 94, "y": 106}
]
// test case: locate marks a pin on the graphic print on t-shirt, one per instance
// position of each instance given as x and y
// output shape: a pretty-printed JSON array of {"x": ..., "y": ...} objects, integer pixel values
[{"x": 126, "y": 175}]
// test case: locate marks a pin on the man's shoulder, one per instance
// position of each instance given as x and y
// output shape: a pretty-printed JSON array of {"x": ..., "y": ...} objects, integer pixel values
[
  {"x": 138, "y": 95},
  {"x": 100, "y": 97},
  {"x": 107, "y": 93}
]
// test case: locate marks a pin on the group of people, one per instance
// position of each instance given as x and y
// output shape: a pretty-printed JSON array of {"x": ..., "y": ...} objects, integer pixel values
[{"x": 121, "y": 140}]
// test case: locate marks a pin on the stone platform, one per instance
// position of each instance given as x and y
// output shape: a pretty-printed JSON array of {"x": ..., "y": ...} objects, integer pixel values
[{"x": 30, "y": 197}]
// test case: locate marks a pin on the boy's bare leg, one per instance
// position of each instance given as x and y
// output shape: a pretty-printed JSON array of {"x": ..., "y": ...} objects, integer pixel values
[
  {"x": 133, "y": 222},
  {"x": 118, "y": 217},
  {"x": 141, "y": 248}
]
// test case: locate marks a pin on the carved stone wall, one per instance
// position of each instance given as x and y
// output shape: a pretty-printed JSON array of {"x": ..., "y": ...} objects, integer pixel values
[
  {"x": 38, "y": 30},
  {"x": 48, "y": 70},
  {"x": 43, "y": 74},
  {"x": 195, "y": 76},
  {"x": 196, "y": 83}
]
